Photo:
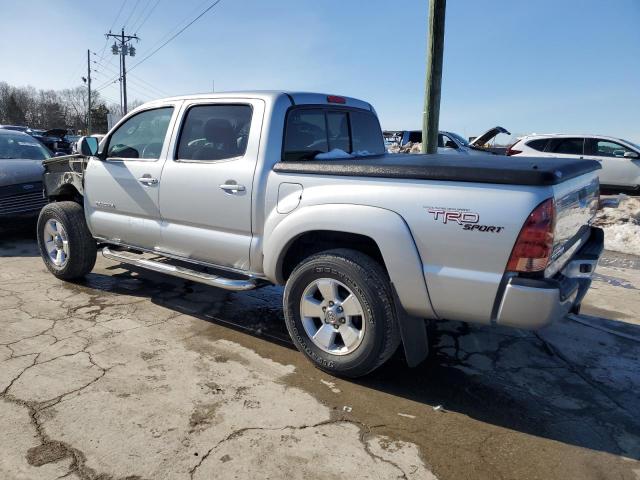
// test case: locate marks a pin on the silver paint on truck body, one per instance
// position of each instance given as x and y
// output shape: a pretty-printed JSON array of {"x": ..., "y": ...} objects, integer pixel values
[{"x": 440, "y": 270}]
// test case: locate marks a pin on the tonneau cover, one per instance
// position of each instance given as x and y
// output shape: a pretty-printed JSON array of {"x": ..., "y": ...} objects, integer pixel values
[{"x": 458, "y": 168}]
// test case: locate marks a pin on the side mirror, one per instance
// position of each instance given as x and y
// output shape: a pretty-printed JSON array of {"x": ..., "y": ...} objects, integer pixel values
[
  {"x": 450, "y": 144},
  {"x": 631, "y": 155},
  {"x": 59, "y": 153},
  {"x": 88, "y": 146}
]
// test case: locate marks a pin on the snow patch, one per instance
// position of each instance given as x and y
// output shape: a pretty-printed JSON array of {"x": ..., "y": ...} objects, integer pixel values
[
  {"x": 338, "y": 153},
  {"x": 621, "y": 226},
  {"x": 409, "y": 147}
]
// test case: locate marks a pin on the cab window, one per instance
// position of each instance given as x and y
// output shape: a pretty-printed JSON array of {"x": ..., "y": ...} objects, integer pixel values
[
  {"x": 314, "y": 130},
  {"x": 214, "y": 132},
  {"x": 141, "y": 136}
]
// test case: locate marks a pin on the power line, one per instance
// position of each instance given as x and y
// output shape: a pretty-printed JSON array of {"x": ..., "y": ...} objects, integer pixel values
[
  {"x": 134, "y": 78},
  {"x": 136, "y": 18},
  {"x": 131, "y": 14},
  {"x": 117, "y": 16},
  {"x": 176, "y": 34},
  {"x": 154, "y": 51},
  {"x": 194, "y": 10},
  {"x": 138, "y": 89},
  {"x": 137, "y": 29}
]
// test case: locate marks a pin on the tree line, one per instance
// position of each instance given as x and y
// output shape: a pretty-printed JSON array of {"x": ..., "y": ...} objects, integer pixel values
[{"x": 47, "y": 109}]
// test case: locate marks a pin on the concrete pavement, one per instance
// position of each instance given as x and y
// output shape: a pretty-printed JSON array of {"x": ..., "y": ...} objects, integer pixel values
[{"x": 135, "y": 375}]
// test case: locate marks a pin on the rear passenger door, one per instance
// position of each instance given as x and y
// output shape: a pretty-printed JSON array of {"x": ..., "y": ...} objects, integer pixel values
[
  {"x": 207, "y": 182},
  {"x": 566, "y": 147}
]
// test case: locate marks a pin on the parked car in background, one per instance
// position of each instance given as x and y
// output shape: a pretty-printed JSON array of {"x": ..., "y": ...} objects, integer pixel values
[
  {"x": 72, "y": 138},
  {"x": 21, "y": 171},
  {"x": 56, "y": 141},
  {"x": 16, "y": 128},
  {"x": 448, "y": 142},
  {"x": 620, "y": 159}
]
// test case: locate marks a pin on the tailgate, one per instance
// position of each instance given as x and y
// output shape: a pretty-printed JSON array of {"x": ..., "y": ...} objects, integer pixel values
[{"x": 576, "y": 203}]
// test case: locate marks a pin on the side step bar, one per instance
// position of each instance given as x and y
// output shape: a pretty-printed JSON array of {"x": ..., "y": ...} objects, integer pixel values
[{"x": 181, "y": 272}]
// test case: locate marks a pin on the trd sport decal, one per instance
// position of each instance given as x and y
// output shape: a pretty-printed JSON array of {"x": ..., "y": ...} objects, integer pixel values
[{"x": 467, "y": 219}]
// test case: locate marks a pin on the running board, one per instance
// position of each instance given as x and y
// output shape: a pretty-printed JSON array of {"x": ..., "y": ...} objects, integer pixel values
[{"x": 181, "y": 272}]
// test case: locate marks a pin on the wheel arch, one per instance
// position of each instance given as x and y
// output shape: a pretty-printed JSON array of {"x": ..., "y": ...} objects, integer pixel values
[{"x": 380, "y": 233}]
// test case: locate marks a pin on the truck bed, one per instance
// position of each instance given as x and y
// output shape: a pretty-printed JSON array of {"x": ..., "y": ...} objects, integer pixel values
[{"x": 459, "y": 168}]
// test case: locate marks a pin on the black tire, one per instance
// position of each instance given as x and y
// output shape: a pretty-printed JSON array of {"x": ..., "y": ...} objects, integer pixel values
[
  {"x": 369, "y": 282},
  {"x": 82, "y": 247}
]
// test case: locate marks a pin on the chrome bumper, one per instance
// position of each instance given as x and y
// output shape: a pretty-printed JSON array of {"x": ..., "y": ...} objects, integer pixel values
[{"x": 534, "y": 303}]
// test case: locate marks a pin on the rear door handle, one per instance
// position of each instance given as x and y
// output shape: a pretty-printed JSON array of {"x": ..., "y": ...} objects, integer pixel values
[
  {"x": 232, "y": 187},
  {"x": 148, "y": 180}
]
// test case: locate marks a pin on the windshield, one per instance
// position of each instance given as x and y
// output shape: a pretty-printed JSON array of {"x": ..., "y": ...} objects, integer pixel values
[
  {"x": 21, "y": 146},
  {"x": 460, "y": 140}
]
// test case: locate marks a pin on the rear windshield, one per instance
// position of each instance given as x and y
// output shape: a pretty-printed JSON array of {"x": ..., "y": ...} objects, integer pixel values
[{"x": 331, "y": 133}]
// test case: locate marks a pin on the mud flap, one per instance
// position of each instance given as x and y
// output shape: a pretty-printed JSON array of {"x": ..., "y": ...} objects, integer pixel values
[{"x": 413, "y": 332}]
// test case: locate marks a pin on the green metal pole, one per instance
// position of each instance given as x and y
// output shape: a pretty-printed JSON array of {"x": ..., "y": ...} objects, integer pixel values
[{"x": 435, "y": 49}]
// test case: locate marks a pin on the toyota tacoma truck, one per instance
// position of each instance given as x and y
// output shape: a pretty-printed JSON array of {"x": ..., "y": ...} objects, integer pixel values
[{"x": 242, "y": 190}]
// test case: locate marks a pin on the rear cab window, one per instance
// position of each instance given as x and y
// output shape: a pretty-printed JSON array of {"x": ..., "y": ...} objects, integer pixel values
[{"x": 337, "y": 132}]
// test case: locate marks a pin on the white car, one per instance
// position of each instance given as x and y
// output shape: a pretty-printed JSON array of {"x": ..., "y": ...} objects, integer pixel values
[{"x": 620, "y": 159}]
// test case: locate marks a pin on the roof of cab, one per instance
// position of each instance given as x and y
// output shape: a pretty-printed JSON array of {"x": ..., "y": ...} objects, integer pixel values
[{"x": 297, "y": 98}]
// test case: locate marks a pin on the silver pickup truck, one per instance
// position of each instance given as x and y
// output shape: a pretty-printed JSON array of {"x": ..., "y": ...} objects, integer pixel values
[{"x": 241, "y": 190}]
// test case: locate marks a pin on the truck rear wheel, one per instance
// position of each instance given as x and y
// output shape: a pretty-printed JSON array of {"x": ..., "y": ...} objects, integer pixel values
[
  {"x": 339, "y": 312},
  {"x": 66, "y": 245}
]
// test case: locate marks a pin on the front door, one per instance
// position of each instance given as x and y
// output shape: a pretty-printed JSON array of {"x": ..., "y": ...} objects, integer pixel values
[
  {"x": 617, "y": 170},
  {"x": 121, "y": 187},
  {"x": 207, "y": 182}
]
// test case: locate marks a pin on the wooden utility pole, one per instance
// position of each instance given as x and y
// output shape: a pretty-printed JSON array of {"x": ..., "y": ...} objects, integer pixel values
[
  {"x": 123, "y": 48},
  {"x": 435, "y": 49},
  {"x": 89, "y": 92}
]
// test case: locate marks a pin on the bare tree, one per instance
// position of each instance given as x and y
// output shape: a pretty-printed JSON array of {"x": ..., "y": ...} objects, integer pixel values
[{"x": 54, "y": 109}]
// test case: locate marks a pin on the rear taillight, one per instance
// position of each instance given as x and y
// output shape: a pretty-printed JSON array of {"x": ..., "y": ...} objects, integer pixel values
[
  {"x": 534, "y": 245},
  {"x": 511, "y": 151}
]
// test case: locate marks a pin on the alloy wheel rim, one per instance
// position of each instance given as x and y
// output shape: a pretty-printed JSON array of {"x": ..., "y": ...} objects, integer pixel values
[
  {"x": 332, "y": 316},
  {"x": 56, "y": 242}
]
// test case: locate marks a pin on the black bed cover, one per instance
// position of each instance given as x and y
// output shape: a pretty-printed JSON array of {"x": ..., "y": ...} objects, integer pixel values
[{"x": 458, "y": 168}]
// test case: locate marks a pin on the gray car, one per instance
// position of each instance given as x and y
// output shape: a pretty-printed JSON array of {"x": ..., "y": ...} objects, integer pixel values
[{"x": 21, "y": 171}]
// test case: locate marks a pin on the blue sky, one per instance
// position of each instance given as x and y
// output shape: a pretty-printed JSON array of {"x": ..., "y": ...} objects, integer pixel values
[{"x": 543, "y": 66}]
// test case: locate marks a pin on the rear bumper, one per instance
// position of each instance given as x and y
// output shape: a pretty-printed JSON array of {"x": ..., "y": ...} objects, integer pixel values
[{"x": 534, "y": 303}]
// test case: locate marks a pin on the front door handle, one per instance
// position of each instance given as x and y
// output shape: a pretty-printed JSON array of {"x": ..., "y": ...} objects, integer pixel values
[
  {"x": 148, "y": 180},
  {"x": 232, "y": 187}
]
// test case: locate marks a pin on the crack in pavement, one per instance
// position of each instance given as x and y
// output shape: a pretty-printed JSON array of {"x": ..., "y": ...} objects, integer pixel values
[{"x": 364, "y": 430}]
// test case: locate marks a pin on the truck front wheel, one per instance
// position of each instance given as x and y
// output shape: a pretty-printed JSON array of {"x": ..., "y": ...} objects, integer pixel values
[
  {"x": 66, "y": 245},
  {"x": 339, "y": 312}
]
